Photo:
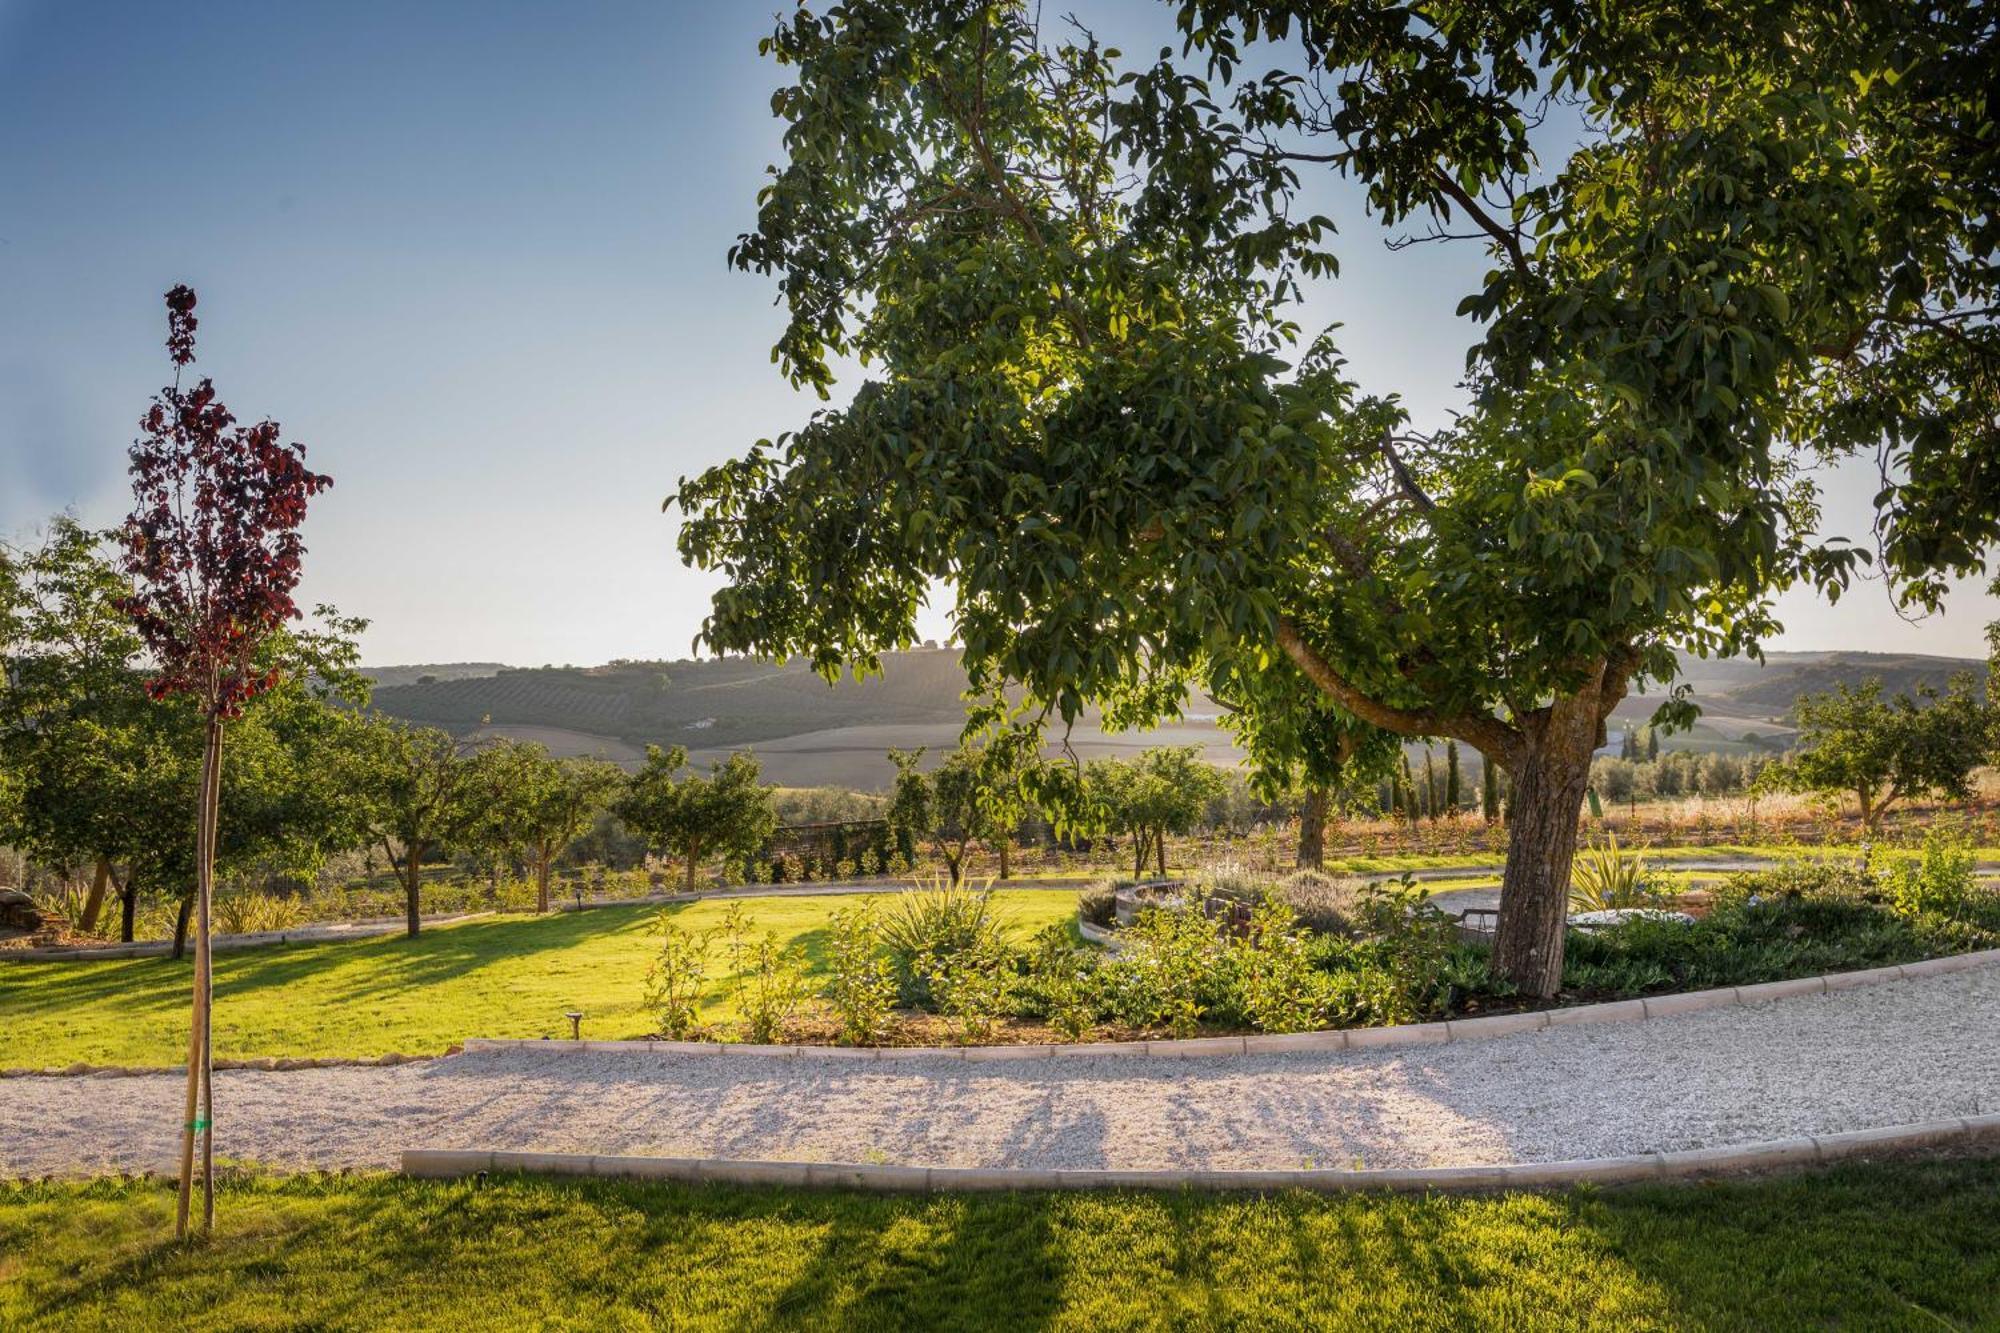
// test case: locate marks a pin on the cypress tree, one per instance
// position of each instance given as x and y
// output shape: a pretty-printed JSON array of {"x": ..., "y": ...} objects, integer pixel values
[
  {"x": 1489, "y": 789},
  {"x": 1451, "y": 788},
  {"x": 1431, "y": 798},
  {"x": 1652, "y": 744}
]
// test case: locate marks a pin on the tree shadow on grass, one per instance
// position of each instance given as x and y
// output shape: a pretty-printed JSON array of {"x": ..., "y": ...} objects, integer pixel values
[{"x": 1864, "y": 1246}]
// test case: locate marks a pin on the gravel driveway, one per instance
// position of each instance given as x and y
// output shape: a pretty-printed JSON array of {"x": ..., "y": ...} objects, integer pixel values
[{"x": 1890, "y": 1054}]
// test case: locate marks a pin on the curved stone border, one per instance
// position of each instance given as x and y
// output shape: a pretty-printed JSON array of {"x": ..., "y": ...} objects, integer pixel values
[
  {"x": 439, "y": 1164},
  {"x": 1337, "y": 1039},
  {"x": 287, "y": 1063}
]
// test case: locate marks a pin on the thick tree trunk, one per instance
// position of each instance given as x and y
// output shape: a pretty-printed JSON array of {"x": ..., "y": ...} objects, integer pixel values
[
  {"x": 1549, "y": 777},
  {"x": 183, "y": 920},
  {"x": 413, "y": 885},
  {"x": 1312, "y": 829},
  {"x": 1001, "y": 847},
  {"x": 94, "y": 904},
  {"x": 542, "y": 868},
  {"x": 128, "y": 907},
  {"x": 693, "y": 860},
  {"x": 1160, "y": 850}
]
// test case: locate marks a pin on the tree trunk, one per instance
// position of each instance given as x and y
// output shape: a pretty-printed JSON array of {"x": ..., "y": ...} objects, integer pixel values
[
  {"x": 183, "y": 919},
  {"x": 1001, "y": 848},
  {"x": 1160, "y": 850},
  {"x": 413, "y": 884},
  {"x": 1870, "y": 816},
  {"x": 200, "y": 1103},
  {"x": 1139, "y": 850},
  {"x": 94, "y": 904},
  {"x": 128, "y": 907},
  {"x": 542, "y": 868},
  {"x": 693, "y": 858},
  {"x": 1312, "y": 829},
  {"x": 1549, "y": 778}
]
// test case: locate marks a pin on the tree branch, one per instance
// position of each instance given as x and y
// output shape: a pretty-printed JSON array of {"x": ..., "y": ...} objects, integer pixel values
[
  {"x": 1493, "y": 738},
  {"x": 1509, "y": 241}
]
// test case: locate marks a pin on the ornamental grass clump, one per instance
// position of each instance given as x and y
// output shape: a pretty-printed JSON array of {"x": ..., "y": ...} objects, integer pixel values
[
  {"x": 1603, "y": 878},
  {"x": 1323, "y": 904},
  {"x": 934, "y": 922}
]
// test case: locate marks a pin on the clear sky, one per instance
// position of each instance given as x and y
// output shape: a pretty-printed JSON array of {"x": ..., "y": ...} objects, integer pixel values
[{"x": 473, "y": 255}]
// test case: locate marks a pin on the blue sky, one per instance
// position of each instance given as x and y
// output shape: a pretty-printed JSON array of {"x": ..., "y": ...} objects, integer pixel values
[{"x": 473, "y": 256}]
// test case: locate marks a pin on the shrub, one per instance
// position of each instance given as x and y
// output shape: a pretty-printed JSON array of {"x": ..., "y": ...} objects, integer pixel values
[
  {"x": 861, "y": 988},
  {"x": 1322, "y": 904},
  {"x": 1171, "y": 976},
  {"x": 934, "y": 922},
  {"x": 771, "y": 978},
  {"x": 1278, "y": 989},
  {"x": 249, "y": 911},
  {"x": 1940, "y": 881},
  {"x": 1060, "y": 985},
  {"x": 1097, "y": 902},
  {"x": 1413, "y": 941},
  {"x": 675, "y": 980},
  {"x": 969, "y": 985}
]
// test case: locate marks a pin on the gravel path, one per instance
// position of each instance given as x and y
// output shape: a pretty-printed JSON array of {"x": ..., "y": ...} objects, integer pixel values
[{"x": 1882, "y": 1055}]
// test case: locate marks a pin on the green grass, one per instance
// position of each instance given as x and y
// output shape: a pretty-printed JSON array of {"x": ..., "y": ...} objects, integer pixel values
[
  {"x": 502, "y": 977},
  {"x": 1865, "y": 1246}
]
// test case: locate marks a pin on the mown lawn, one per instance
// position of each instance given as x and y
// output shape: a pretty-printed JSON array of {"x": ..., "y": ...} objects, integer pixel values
[
  {"x": 1866, "y": 1246},
  {"x": 504, "y": 977}
]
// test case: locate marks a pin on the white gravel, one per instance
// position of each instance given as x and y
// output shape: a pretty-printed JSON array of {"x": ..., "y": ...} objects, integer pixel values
[{"x": 1882, "y": 1055}]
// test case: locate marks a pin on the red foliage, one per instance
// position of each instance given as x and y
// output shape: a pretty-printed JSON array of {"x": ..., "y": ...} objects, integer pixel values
[{"x": 212, "y": 541}]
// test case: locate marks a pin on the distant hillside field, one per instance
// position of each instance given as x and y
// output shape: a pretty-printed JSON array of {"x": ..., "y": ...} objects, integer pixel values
[{"x": 809, "y": 733}]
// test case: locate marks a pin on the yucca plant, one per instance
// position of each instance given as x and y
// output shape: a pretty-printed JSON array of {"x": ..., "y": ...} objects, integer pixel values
[
  {"x": 1604, "y": 878},
  {"x": 934, "y": 921}
]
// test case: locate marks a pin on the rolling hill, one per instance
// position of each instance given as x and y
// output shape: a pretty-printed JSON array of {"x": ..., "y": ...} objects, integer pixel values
[{"x": 809, "y": 733}]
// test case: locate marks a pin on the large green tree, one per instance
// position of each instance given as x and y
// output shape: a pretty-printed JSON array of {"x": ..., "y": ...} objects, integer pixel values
[
  {"x": 1852, "y": 740},
  {"x": 103, "y": 775},
  {"x": 692, "y": 817},
  {"x": 529, "y": 803},
  {"x": 421, "y": 799},
  {"x": 1072, "y": 291}
]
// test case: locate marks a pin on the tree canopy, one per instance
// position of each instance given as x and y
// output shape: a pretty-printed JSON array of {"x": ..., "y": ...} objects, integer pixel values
[
  {"x": 1852, "y": 740},
  {"x": 689, "y": 816},
  {"x": 1088, "y": 414}
]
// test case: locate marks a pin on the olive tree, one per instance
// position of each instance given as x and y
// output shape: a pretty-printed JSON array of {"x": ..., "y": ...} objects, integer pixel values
[{"x": 1089, "y": 416}]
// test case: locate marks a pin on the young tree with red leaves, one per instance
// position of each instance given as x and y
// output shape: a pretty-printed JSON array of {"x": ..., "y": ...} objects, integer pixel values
[{"x": 213, "y": 548}]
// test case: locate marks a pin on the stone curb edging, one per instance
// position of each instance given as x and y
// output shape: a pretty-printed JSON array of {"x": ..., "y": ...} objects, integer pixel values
[
  {"x": 283, "y": 1063},
  {"x": 1337, "y": 1039},
  {"x": 440, "y": 1164}
]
